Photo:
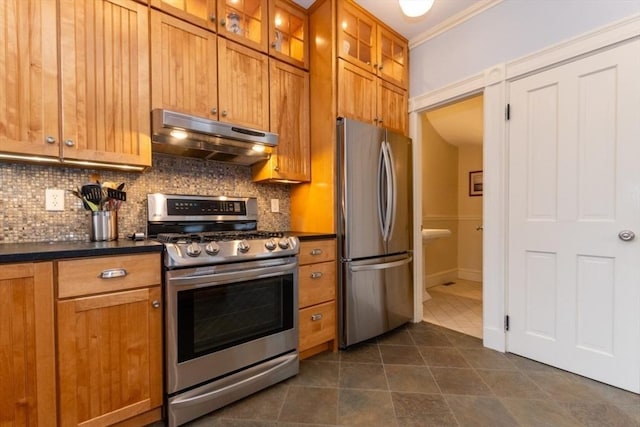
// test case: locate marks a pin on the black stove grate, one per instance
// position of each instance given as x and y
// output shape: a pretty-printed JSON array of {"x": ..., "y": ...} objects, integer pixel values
[{"x": 217, "y": 236}]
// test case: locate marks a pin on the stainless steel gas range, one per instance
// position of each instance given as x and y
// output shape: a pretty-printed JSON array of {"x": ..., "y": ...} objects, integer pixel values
[{"x": 231, "y": 292}]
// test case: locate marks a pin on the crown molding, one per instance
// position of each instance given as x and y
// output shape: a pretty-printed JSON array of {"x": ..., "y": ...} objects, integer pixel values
[{"x": 457, "y": 19}]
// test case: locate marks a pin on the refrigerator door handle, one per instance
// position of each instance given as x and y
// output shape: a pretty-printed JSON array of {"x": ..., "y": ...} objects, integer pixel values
[
  {"x": 382, "y": 220},
  {"x": 383, "y": 266},
  {"x": 392, "y": 199},
  {"x": 386, "y": 189}
]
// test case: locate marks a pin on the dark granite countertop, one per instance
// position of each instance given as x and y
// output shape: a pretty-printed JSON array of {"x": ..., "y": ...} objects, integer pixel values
[
  {"x": 45, "y": 251},
  {"x": 305, "y": 236}
]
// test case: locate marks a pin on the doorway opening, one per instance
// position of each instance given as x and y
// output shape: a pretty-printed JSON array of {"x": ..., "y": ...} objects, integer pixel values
[{"x": 452, "y": 187}]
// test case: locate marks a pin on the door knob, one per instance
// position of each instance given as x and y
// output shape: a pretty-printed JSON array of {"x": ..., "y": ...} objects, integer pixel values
[{"x": 626, "y": 235}]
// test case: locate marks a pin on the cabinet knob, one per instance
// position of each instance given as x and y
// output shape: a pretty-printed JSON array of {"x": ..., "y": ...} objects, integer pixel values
[
  {"x": 273, "y": 45},
  {"x": 375, "y": 120},
  {"x": 316, "y": 317},
  {"x": 223, "y": 22},
  {"x": 155, "y": 304},
  {"x": 212, "y": 18},
  {"x": 224, "y": 113},
  {"x": 316, "y": 275},
  {"x": 214, "y": 110},
  {"x": 380, "y": 67},
  {"x": 316, "y": 252},
  {"x": 380, "y": 120},
  {"x": 276, "y": 168},
  {"x": 50, "y": 140},
  {"x": 69, "y": 143}
]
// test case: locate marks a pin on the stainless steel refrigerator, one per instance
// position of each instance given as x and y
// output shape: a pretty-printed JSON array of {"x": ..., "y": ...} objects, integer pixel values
[{"x": 374, "y": 230}]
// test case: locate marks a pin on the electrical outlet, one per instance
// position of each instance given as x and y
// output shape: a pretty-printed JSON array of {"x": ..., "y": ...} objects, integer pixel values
[
  {"x": 275, "y": 205},
  {"x": 54, "y": 199}
]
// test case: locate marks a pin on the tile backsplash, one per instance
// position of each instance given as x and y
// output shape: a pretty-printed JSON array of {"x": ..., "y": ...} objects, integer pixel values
[{"x": 23, "y": 217}]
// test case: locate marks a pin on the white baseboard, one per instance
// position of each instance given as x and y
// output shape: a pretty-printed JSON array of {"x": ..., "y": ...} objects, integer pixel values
[
  {"x": 468, "y": 274},
  {"x": 439, "y": 278}
]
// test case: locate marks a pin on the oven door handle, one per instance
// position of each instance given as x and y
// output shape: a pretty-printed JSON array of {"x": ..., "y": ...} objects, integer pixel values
[{"x": 222, "y": 278}]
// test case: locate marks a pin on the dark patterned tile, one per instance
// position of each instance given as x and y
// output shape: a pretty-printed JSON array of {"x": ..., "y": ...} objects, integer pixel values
[
  {"x": 310, "y": 405},
  {"x": 563, "y": 387},
  {"x": 598, "y": 414},
  {"x": 320, "y": 374},
  {"x": 326, "y": 356},
  {"x": 511, "y": 384},
  {"x": 609, "y": 393},
  {"x": 430, "y": 338},
  {"x": 535, "y": 413},
  {"x": 365, "y": 408},
  {"x": 362, "y": 375},
  {"x": 435, "y": 420},
  {"x": 399, "y": 336},
  {"x": 230, "y": 422},
  {"x": 263, "y": 405},
  {"x": 528, "y": 365},
  {"x": 460, "y": 340},
  {"x": 416, "y": 379},
  {"x": 448, "y": 357},
  {"x": 361, "y": 353},
  {"x": 460, "y": 381},
  {"x": 484, "y": 358},
  {"x": 480, "y": 411},
  {"x": 419, "y": 405},
  {"x": 401, "y": 355},
  {"x": 633, "y": 411}
]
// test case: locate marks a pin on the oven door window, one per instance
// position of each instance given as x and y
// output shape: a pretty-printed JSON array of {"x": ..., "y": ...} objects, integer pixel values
[{"x": 213, "y": 318}]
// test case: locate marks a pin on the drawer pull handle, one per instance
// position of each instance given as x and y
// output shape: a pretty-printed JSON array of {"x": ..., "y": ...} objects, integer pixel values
[
  {"x": 112, "y": 273},
  {"x": 155, "y": 304},
  {"x": 316, "y": 317},
  {"x": 316, "y": 275},
  {"x": 315, "y": 252}
]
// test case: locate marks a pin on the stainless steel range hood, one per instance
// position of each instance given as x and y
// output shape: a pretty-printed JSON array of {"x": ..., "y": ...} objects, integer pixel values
[{"x": 190, "y": 136}]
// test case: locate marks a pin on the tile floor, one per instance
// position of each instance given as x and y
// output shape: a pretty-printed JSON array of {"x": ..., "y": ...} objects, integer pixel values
[
  {"x": 457, "y": 306},
  {"x": 425, "y": 375}
]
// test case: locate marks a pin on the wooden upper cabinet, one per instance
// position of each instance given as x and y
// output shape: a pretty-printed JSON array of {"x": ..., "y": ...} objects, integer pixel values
[
  {"x": 27, "y": 371},
  {"x": 393, "y": 55},
  {"x": 393, "y": 105},
  {"x": 104, "y": 78},
  {"x": 243, "y": 85},
  {"x": 357, "y": 36},
  {"x": 199, "y": 12},
  {"x": 288, "y": 33},
  {"x": 289, "y": 100},
  {"x": 369, "y": 44},
  {"x": 356, "y": 93},
  {"x": 183, "y": 67},
  {"x": 29, "y": 78},
  {"x": 244, "y": 21}
]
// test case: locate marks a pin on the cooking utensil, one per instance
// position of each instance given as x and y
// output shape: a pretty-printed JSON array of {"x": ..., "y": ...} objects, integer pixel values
[
  {"x": 112, "y": 193},
  {"x": 92, "y": 193}
]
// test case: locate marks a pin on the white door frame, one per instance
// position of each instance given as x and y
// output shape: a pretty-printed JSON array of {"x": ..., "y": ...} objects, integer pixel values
[{"x": 493, "y": 83}]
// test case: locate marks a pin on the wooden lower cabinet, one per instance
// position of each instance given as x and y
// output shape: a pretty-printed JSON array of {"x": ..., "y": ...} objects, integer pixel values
[
  {"x": 27, "y": 350},
  {"x": 110, "y": 344},
  {"x": 317, "y": 297}
]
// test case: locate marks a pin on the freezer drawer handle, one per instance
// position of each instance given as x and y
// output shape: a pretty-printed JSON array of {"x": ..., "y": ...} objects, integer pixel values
[
  {"x": 316, "y": 275},
  {"x": 316, "y": 317},
  {"x": 381, "y": 266},
  {"x": 316, "y": 251},
  {"x": 112, "y": 273}
]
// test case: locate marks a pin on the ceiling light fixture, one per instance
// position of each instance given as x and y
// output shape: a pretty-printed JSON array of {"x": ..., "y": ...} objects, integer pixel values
[{"x": 415, "y": 8}]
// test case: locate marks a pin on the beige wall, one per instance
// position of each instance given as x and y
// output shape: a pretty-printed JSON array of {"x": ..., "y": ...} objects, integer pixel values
[
  {"x": 439, "y": 204},
  {"x": 469, "y": 239}
]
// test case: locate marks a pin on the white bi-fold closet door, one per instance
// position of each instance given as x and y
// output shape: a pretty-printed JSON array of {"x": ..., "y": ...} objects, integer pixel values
[{"x": 574, "y": 200}]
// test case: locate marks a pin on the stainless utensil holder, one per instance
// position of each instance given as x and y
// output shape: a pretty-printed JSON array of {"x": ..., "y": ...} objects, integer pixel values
[{"x": 104, "y": 226}]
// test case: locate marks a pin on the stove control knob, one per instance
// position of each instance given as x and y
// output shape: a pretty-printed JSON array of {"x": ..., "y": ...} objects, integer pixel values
[
  {"x": 270, "y": 244},
  {"x": 243, "y": 246},
  {"x": 212, "y": 248},
  {"x": 283, "y": 243},
  {"x": 193, "y": 249}
]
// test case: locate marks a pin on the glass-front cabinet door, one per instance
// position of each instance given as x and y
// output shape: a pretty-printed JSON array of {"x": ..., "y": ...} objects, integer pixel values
[
  {"x": 392, "y": 60},
  {"x": 288, "y": 29},
  {"x": 244, "y": 21},
  {"x": 199, "y": 12},
  {"x": 356, "y": 37}
]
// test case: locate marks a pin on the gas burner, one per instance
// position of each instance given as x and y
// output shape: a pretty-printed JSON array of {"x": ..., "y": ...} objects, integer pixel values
[{"x": 222, "y": 236}]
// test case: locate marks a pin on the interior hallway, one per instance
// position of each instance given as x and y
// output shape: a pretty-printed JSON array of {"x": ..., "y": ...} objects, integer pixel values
[{"x": 457, "y": 306}]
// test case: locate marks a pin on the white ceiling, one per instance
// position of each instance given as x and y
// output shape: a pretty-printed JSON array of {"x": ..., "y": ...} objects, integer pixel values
[
  {"x": 389, "y": 12},
  {"x": 460, "y": 123}
]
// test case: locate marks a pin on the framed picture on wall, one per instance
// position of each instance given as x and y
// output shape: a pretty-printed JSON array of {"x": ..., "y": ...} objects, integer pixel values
[{"x": 475, "y": 183}]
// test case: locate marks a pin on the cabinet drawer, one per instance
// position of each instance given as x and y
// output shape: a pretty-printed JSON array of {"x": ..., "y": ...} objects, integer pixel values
[
  {"x": 317, "y": 283},
  {"x": 107, "y": 274},
  {"x": 317, "y": 325},
  {"x": 317, "y": 251}
]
